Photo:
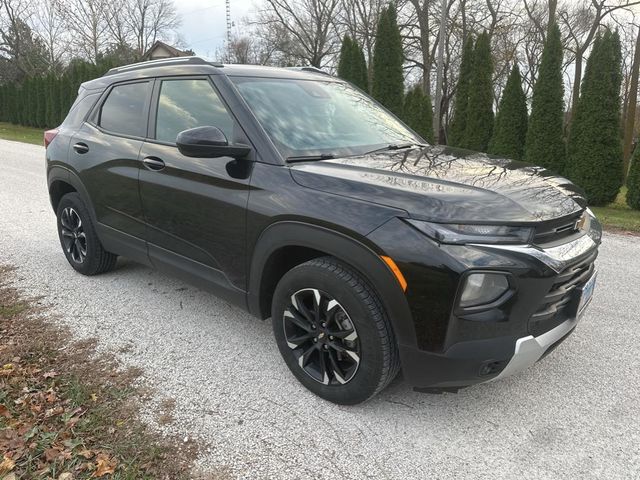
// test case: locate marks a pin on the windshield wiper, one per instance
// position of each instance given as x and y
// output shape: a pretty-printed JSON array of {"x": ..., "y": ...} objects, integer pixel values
[
  {"x": 309, "y": 158},
  {"x": 395, "y": 146}
]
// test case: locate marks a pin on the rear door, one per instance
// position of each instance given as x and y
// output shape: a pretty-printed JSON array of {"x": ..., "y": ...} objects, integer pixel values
[
  {"x": 105, "y": 151},
  {"x": 195, "y": 207}
]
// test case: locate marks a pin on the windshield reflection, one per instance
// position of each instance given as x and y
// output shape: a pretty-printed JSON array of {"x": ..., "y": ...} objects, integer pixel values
[{"x": 313, "y": 117}]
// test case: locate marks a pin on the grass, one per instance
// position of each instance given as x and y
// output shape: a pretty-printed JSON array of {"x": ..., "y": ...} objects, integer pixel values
[
  {"x": 618, "y": 216},
  {"x": 18, "y": 133},
  {"x": 69, "y": 413}
]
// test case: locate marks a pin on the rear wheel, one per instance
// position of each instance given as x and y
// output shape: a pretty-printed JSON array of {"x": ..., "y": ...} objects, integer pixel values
[
  {"x": 333, "y": 333},
  {"x": 79, "y": 240}
]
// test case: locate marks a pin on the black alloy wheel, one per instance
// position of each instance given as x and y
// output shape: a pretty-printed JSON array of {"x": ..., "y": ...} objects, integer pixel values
[
  {"x": 333, "y": 332},
  {"x": 322, "y": 337},
  {"x": 74, "y": 240},
  {"x": 78, "y": 238}
]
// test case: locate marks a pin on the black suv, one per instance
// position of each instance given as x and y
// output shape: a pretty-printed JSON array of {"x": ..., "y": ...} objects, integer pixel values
[{"x": 296, "y": 196}]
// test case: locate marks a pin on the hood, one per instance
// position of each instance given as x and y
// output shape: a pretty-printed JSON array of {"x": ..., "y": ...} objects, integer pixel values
[{"x": 445, "y": 184}]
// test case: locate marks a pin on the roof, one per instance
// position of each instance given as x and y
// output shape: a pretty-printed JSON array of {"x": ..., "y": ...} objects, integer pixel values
[
  {"x": 172, "y": 50},
  {"x": 193, "y": 65}
]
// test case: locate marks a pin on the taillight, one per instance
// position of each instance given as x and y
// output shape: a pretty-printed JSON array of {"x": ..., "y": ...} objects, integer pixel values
[{"x": 49, "y": 135}]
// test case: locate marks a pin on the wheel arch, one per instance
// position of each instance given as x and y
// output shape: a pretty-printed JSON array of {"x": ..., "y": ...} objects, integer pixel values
[
  {"x": 283, "y": 245},
  {"x": 62, "y": 181}
]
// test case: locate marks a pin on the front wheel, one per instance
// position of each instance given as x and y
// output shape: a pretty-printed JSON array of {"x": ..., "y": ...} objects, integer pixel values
[{"x": 333, "y": 332}]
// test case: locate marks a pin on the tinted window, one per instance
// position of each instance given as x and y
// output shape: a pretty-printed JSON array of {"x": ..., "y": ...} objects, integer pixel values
[
  {"x": 185, "y": 104},
  {"x": 124, "y": 109},
  {"x": 79, "y": 111}
]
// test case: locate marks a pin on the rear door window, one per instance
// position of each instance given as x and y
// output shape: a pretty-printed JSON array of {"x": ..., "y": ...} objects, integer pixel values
[{"x": 125, "y": 109}]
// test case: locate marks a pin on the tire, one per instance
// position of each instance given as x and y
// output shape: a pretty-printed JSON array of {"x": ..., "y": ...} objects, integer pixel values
[
  {"x": 360, "y": 358},
  {"x": 78, "y": 238}
]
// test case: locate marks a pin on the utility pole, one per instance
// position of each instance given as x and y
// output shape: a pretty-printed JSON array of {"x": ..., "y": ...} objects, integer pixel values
[
  {"x": 440, "y": 70},
  {"x": 228, "y": 7}
]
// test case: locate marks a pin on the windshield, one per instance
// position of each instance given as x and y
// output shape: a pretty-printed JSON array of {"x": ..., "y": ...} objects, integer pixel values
[{"x": 315, "y": 117}]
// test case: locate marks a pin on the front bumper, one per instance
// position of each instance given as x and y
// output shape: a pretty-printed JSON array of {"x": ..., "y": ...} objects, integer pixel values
[
  {"x": 473, "y": 361},
  {"x": 530, "y": 349}
]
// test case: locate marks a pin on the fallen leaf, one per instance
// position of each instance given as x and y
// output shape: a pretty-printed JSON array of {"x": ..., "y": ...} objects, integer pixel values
[
  {"x": 4, "y": 411},
  {"x": 11, "y": 476},
  {"x": 6, "y": 465},
  {"x": 8, "y": 366},
  {"x": 104, "y": 465},
  {"x": 51, "y": 454},
  {"x": 66, "y": 476},
  {"x": 94, "y": 397},
  {"x": 86, "y": 454},
  {"x": 50, "y": 374}
]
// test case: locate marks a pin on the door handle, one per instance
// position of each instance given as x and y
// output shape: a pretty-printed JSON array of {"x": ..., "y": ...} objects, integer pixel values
[
  {"x": 81, "y": 148},
  {"x": 153, "y": 163}
]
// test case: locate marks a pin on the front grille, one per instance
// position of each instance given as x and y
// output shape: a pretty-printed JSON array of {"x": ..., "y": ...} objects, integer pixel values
[
  {"x": 563, "y": 297},
  {"x": 551, "y": 232}
]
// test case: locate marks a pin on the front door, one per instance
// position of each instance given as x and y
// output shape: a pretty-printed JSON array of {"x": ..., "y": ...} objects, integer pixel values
[{"x": 195, "y": 208}]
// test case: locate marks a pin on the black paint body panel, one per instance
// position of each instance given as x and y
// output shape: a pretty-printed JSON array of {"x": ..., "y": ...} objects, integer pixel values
[{"x": 227, "y": 225}]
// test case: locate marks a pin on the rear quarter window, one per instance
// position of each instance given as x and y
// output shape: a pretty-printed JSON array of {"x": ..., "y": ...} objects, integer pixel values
[
  {"x": 80, "y": 109},
  {"x": 125, "y": 109}
]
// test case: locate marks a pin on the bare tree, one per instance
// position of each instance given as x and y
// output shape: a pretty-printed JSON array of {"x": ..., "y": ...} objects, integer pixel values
[
  {"x": 22, "y": 53},
  {"x": 307, "y": 25},
  {"x": 151, "y": 20},
  {"x": 88, "y": 23},
  {"x": 581, "y": 21},
  {"x": 51, "y": 30},
  {"x": 631, "y": 105},
  {"x": 359, "y": 18},
  {"x": 247, "y": 49}
]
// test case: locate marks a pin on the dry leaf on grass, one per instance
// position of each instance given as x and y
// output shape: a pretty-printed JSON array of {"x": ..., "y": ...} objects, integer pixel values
[
  {"x": 86, "y": 454},
  {"x": 104, "y": 465},
  {"x": 6, "y": 465}
]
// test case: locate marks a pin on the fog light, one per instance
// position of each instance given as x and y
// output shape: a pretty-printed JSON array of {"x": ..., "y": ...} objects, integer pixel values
[{"x": 482, "y": 288}]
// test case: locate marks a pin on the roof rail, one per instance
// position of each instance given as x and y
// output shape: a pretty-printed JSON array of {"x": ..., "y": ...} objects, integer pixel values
[
  {"x": 310, "y": 69},
  {"x": 161, "y": 63}
]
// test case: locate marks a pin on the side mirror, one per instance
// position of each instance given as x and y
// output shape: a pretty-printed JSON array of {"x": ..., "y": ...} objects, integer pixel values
[{"x": 208, "y": 142}]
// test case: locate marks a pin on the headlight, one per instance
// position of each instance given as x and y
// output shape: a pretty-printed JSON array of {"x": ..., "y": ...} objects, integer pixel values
[
  {"x": 461, "y": 234},
  {"x": 483, "y": 288},
  {"x": 592, "y": 226}
]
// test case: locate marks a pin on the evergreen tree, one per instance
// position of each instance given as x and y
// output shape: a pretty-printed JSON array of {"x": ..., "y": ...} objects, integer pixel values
[
  {"x": 510, "y": 130},
  {"x": 41, "y": 94},
  {"x": 479, "y": 125},
  {"x": 388, "y": 79},
  {"x": 360, "y": 72},
  {"x": 633, "y": 181},
  {"x": 545, "y": 144},
  {"x": 459, "y": 121},
  {"x": 595, "y": 148},
  {"x": 345, "y": 65},
  {"x": 418, "y": 113},
  {"x": 352, "y": 65}
]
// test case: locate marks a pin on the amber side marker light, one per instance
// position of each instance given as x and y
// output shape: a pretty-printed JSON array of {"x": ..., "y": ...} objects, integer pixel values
[{"x": 396, "y": 271}]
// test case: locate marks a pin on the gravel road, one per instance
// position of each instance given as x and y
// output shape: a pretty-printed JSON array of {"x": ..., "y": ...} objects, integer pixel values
[{"x": 573, "y": 415}]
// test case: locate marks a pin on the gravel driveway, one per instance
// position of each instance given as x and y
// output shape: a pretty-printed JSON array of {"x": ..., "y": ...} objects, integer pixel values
[{"x": 573, "y": 415}]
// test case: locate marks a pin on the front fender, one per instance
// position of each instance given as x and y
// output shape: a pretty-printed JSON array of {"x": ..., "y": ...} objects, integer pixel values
[{"x": 360, "y": 256}]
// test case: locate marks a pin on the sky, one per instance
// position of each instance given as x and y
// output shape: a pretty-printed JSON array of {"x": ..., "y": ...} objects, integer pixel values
[{"x": 204, "y": 24}]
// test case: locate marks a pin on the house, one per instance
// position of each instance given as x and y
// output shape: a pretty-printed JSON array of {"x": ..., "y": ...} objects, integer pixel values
[{"x": 161, "y": 50}]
